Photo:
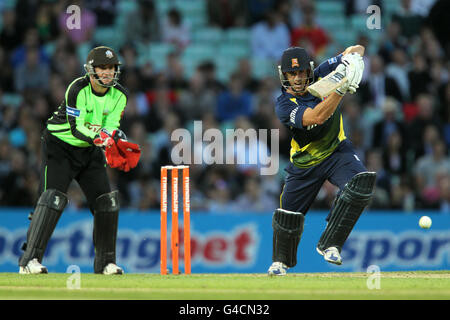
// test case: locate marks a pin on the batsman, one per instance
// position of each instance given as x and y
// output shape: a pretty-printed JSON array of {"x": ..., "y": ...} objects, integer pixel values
[
  {"x": 80, "y": 138},
  {"x": 320, "y": 151}
]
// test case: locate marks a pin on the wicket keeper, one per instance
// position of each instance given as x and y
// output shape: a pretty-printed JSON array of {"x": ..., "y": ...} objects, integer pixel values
[
  {"x": 320, "y": 151},
  {"x": 73, "y": 143}
]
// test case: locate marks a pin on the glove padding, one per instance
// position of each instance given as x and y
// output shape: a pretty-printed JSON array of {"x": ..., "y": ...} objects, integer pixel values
[
  {"x": 354, "y": 65},
  {"x": 123, "y": 155},
  {"x": 359, "y": 73},
  {"x": 113, "y": 157},
  {"x": 130, "y": 151},
  {"x": 103, "y": 139},
  {"x": 342, "y": 90}
]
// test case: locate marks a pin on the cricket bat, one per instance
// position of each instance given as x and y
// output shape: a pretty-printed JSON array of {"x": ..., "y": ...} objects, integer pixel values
[{"x": 325, "y": 86}]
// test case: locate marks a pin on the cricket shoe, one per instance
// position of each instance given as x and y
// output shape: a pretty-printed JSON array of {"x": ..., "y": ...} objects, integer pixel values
[
  {"x": 33, "y": 267},
  {"x": 112, "y": 268},
  {"x": 277, "y": 269},
  {"x": 331, "y": 255}
]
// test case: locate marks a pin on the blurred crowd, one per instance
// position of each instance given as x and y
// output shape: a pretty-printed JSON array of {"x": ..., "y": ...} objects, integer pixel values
[{"x": 398, "y": 121}]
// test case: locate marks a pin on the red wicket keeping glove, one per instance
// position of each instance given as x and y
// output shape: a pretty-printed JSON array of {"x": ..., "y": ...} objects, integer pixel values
[
  {"x": 113, "y": 157},
  {"x": 130, "y": 151},
  {"x": 103, "y": 139}
]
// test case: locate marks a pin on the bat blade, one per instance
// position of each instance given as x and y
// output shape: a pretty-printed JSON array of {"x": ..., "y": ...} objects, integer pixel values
[{"x": 325, "y": 86}]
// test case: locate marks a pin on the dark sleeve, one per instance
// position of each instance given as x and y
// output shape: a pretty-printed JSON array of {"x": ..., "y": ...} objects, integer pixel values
[
  {"x": 327, "y": 66},
  {"x": 290, "y": 113}
]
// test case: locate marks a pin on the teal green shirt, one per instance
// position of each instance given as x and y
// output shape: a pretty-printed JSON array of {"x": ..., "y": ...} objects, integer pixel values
[{"x": 83, "y": 113}]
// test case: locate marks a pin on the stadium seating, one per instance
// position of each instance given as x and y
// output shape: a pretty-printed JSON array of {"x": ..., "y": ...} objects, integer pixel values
[
  {"x": 238, "y": 35},
  {"x": 330, "y": 7},
  {"x": 156, "y": 53},
  {"x": 209, "y": 36},
  {"x": 125, "y": 6}
]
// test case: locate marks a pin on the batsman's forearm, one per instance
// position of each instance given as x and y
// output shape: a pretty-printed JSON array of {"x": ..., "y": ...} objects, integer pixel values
[{"x": 322, "y": 111}]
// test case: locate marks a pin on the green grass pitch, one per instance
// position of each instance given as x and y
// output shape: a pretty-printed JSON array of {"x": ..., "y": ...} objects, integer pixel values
[{"x": 392, "y": 285}]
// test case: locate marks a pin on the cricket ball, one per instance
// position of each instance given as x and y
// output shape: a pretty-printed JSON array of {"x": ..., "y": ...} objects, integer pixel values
[{"x": 425, "y": 222}]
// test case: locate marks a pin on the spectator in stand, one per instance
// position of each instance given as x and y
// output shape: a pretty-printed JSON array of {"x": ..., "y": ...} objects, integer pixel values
[
  {"x": 105, "y": 10},
  {"x": 430, "y": 135},
  {"x": 208, "y": 72},
  {"x": 72, "y": 67},
  {"x": 390, "y": 123},
  {"x": 31, "y": 41},
  {"x": 378, "y": 86},
  {"x": 143, "y": 24},
  {"x": 198, "y": 99},
  {"x": 425, "y": 116},
  {"x": 269, "y": 37},
  {"x": 246, "y": 155},
  {"x": 419, "y": 76},
  {"x": 380, "y": 198},
  {"x": 257, "y": 9},
  {"x": 234, "y": 102},
  {"x": 26, "y": 13},
  {"x": 219, "y": 195},
  {"x": 148, "y": 199},
  {"x": 253, "y": 199},
  {"x": 130, "y": 66},
  {"x": 175, "y": 30},
  {"x": 285, "y": 8},
  {"x": 11, "y": 32},
  {"x": 409, "y": 21},
  {"x": 6, "y": 150},
  {"x": 33, "y": 75},
  {"x": 444, "y": 192},
  {"x": 310, "y": 31},
  {"x": 394, "y": 155},
  {"x": 440, "y": 24},
  {"x": 161, "y": 141},
  {"x": 227, "y": 13},
  {"x": 297, "y": 11},
  {"x": 175, "y": 72},
  {"x": 17, "y": 193},
  {"x": 398, "y": 70},
  {"x": 391, "y": 40},
  {"x": 46, "y": 22},
  {"x": 244, "y": 69},
  {"x": 445, "y": 112},
  {"x": 427, "y": 169},
  {"x": 351, "y": 114},
  {"x": 6, "y": 76},
  {"x": 440, "y": 76},
  {"x": 402, "y": 194}
]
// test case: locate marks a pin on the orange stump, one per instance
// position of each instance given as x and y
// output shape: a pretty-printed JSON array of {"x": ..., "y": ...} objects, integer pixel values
[
  {"x": 163, "y": 220},
  {"x": 187, "y": 221},
  {"x": 174, "y": 238}
]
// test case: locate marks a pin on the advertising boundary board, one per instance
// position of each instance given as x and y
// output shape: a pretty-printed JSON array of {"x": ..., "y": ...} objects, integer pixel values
[{"x": 237, "y": 243}]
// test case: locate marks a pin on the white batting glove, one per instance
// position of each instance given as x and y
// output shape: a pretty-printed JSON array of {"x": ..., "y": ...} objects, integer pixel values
[
  {"x": 342, "y": 90},
  {"x": 349, "y": 61},
  {"x": 358, "y": 76},
  {"x": 354, "y": 70}
]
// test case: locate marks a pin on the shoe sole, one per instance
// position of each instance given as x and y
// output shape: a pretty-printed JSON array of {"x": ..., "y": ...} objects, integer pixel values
[
  {"x": 26, "y": 271},
  {"x": 334, "y": 262},
  {"x": 115, "y": 273},
  {"x": 330, "y": 261}
]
